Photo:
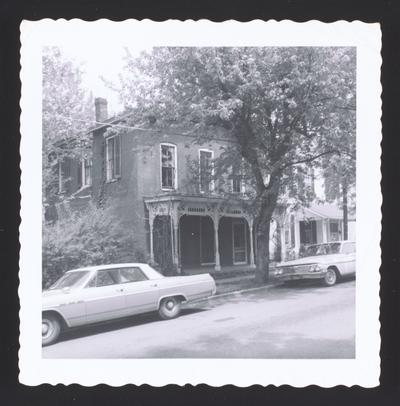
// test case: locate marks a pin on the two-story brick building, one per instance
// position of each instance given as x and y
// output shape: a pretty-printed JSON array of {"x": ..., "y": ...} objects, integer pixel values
[
  {"x": 149, "y": 175},
  {"x": 163, "y": 188}
]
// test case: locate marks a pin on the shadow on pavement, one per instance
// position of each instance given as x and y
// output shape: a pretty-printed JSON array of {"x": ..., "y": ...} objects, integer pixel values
[
  {"x": 265, "y": 345},
  {"x": 119, "y": 324},
  {"x": 280, "y": 291}
]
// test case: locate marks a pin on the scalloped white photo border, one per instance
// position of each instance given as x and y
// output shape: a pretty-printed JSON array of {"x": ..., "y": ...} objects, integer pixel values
[{"x": 364, "y": 370}]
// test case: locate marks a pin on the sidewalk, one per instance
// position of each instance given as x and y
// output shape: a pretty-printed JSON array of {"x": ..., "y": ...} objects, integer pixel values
[
  {"x": 239, "y": 282},
  {"x": 232, "y": 279}
]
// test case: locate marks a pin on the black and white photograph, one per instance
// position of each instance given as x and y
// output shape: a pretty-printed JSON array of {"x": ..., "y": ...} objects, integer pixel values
[{"x": 200, "y": 203}]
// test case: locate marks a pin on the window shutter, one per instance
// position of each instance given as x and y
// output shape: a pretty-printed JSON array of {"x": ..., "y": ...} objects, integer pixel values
[
  {"x": 80, "y": 180},
  {"x": 117, "y": 159}
]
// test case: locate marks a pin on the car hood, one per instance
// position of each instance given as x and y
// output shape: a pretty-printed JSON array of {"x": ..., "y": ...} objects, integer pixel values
[{"x": 317, "y": 259}]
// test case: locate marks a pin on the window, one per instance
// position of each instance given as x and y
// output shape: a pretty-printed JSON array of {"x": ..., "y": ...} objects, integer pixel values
[
  {"x": 168, "y": 167},
  {"x": 60, "y": 178},
  {"x": 64, "y": 175},
  {"x": 85, "y": 172},
  {"x": 237, "y": 178},
  {"x": 113, "y": 158},
  {"x": 206, "y": 170},
  {"x": 334, "y": 227},
  {"x": 128, "y": 275},
  {"x": 69, "y": 280},
  {"x": 308, "y": 232},
  {"x": 107, "y": 277}
]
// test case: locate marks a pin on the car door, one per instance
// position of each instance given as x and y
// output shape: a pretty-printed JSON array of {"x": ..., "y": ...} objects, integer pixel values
[
  {"x": 141, "y": 294},
  {"x": 349, "y": 254},
  {"x": 104, "y": 299}
]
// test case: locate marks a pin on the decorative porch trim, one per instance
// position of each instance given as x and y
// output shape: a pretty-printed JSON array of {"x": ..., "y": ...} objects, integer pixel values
[{"x": 176, "y": 206}]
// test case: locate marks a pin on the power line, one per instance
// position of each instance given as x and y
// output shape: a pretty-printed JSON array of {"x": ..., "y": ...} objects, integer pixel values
[{"x": 103, "y": 123}]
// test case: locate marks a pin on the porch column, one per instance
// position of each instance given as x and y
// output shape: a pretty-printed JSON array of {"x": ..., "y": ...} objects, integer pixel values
[
  {"x": 283, "y": 241},
  {"x": 252, "y": 261},
  {"x": 324, "y": 230},
  {"x": 297, "y": 236},
  {"x": 175, "y": 242},
  {"x": 151, "y": 222},
  {"x": 217, "y": 266},
  {"x": 176, "y": 258}
]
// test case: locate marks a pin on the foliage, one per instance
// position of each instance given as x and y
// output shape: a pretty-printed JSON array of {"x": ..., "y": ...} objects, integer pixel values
[
  {"x": 282, "y": 107},
  {"x": 66, "y": 110},
  {"x": 94, "y": 236}
]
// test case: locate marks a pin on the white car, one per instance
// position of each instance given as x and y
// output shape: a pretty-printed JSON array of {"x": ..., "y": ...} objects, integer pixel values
[
  {"x": 327, "y": 262},
  {"x": 99, "y": 293}
]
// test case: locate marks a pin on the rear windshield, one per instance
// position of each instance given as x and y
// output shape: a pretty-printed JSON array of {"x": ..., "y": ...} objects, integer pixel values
[{"x": 69, "y": 280}]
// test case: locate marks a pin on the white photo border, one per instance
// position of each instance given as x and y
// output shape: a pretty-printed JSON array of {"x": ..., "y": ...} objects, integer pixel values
[{"x": 364, "y": 370}]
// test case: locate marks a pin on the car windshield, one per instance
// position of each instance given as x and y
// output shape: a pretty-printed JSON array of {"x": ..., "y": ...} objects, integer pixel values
[
  {"x": 69, "y": 280},
  {"x": 322, "y": 249}
]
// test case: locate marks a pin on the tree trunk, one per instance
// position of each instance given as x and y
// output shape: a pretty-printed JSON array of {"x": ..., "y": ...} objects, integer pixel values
[
  {"x": 262, "y": 233},
  {"x": 345, "y": 211}
]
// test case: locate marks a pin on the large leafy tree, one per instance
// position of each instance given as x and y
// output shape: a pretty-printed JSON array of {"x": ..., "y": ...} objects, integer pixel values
[
  {"x": 282, "y": 107},
  {"x": 339, "y": 171},
  {"x": 67, "y": 110}
]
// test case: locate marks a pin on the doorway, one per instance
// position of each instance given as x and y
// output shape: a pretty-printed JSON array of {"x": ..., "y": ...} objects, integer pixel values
[{"x": 239, "y": 242}]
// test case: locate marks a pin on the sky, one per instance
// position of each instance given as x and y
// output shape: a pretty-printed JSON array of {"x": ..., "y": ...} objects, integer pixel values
[{"x": 106, "y": 62}]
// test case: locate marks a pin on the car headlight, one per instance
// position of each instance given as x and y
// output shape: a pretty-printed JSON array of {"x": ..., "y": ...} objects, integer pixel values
[
  {"x": 278, "y": 272},
  {"x": 315, "y": 268}
]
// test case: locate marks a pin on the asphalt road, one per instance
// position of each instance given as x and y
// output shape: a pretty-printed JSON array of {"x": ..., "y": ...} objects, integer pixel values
[{"x": 302, "y": 321}]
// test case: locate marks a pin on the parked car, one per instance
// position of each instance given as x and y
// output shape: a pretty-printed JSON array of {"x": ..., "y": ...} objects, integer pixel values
[
  {"x": 327, "y": 262},
  {"x": 99, "y": 293}
]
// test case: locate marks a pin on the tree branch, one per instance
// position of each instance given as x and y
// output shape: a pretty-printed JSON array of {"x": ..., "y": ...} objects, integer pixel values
[{"x": 310, "y": 159}]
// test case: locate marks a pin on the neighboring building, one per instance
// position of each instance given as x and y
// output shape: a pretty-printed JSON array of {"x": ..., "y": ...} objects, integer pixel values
[
  {"x": 312, "y": 225},
  {"x": 179, "y": 213}
]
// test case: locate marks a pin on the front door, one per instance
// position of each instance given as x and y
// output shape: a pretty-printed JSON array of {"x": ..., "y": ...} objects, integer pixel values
[
  {"x": 190, "y": 241},
  {"x": 239, "y": 242}
]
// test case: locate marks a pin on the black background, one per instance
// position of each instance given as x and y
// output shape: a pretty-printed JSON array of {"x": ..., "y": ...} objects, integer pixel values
[{"x": 11, "y": 14}]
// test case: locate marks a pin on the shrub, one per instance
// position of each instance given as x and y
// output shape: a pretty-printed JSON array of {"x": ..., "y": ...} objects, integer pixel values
[{"x": 92, "y": 237}]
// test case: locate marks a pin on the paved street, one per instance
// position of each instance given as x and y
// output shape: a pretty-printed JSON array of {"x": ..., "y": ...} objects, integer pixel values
[{"x": 301, "y": 321}]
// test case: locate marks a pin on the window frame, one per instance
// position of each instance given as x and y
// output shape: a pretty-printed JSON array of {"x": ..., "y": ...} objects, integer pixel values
[
  {"x": 96, "y": 277},
  {"x": 133, "y": 268},
  {"x": 175, "y": 175},
  {"x": 84, "y": 171},
  {"x": 112, "y": 177},
  {"x": 242, "y": 184},
  {"x": 61, "y": 185},
  {"x": 212, "y": 185}
]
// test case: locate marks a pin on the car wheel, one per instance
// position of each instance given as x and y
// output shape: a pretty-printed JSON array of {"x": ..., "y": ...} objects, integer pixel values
[
  {"x": 170, "y": 307},
  {"x": 51, "y": 329},
  {"x": 330, "y": 277}
]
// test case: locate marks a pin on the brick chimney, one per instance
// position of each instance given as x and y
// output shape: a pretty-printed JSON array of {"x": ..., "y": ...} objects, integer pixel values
[{"x": 100, "y": 105}]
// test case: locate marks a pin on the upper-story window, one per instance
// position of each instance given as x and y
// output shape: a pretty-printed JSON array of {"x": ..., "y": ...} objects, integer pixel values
[
  {"x": 237, "y": 181},
  {"x": 113, "y": 158},
  {"x": 85, "y": 172},
  {"x": 168, "y": 167},
  {"x": 206, "y": 170}
]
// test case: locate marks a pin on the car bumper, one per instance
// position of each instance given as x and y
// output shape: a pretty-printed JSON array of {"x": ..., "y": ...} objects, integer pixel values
[{"x": 298, "y": 276}]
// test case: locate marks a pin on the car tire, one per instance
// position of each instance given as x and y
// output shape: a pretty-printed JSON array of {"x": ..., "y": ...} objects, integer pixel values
[
  {"x": 51, "y": 329},
  {"x": 330, "y": 277},
  {"x": 170, "y": 307}
]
